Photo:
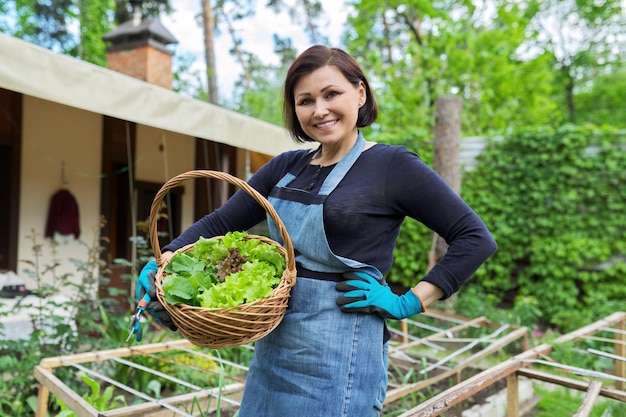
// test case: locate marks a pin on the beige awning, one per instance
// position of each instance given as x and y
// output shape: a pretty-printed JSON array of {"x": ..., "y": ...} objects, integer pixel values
[{"x": 31, "y": 70}]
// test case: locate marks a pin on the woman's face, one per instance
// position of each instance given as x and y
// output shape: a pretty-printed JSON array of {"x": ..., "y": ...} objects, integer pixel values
[{"x": 327, "y": 105}]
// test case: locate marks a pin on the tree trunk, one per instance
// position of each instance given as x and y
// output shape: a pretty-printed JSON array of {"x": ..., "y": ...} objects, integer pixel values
[
  {"x": 221, "y": 158},
  {"x": 569, "y": 93},
  {"x": 447, "y": 142},
  {"x": 208, "y": 25}
]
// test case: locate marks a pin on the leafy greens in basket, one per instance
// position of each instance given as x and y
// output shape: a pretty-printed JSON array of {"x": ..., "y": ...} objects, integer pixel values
[{"x": 226, "y": 272}]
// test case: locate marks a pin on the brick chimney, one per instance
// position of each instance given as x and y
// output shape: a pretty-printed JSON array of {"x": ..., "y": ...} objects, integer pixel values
[{"x": 138, "y": 48}]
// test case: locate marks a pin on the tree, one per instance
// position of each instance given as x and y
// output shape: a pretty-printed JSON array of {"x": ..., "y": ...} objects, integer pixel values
[
  {"x": 45, "y": 24},
  {"x": 259, "y": 92},
  {"x": 237, "y": 11},
  {"x": 187, "y": 80},
  {"x": 307, "y": 13},
  {"x": 208, "y": 28},
  {"x": 447, "y": 140},
  {"x": 150, "y": 8},
  {"x": 581, "y": 36},
  {"x": 602, "y": 103},
  {"x": 94, "y": 24},
  {"x": 420, "y": 50},
  {"x": 52, "y": 24}
]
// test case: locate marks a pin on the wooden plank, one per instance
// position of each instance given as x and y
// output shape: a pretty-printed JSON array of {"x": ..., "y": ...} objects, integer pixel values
[
  {"x": 570, "y": 383},
  {"x": 457, "y": 379},
  {"x": 154, "y": 408},
  {"x": 74, "y": 401},
  {"x": 58, "y": 361},
  {"x": 589, "y": 400},
  {"x": 404, "y": 328},
  {"x": 615, "y": 341},
  {"x": 397, "y": 393},
  {"x": 457, "y": 394},
  {"x": 83, "y": 409},
  {"x": 620, "y": 350},
  {"x": 449, "y": 316},
  {"x": 595, "y": 327},
  {"x": 42, "y": 401},
  {"x": 512, "y": 395},
  {"x": 449, "y": 398}
]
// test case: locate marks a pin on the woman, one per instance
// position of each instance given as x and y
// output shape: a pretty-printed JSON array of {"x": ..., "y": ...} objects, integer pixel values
[{"x": 342, "y": 205}]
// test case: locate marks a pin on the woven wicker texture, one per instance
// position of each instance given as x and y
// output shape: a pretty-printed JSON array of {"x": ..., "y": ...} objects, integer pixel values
[{"x": 226, "y": 327}]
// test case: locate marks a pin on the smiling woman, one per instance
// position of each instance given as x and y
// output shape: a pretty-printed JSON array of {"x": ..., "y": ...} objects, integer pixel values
[{"x": 342, "y": 206}]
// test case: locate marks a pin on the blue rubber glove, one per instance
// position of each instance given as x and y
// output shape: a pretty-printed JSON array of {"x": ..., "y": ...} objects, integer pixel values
[
  {"x": 364, "y": 294},
  {"x": 145, "y": 285}
]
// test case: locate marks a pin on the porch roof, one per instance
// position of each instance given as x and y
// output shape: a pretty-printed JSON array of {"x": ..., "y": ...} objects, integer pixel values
[{"x": 35, "y": 71}]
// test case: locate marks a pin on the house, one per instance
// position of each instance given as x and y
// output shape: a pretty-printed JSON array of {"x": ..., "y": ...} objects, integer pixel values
[{"x": 109, "y": 140}]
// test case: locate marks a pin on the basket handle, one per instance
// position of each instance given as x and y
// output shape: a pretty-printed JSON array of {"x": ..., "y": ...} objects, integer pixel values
[{"x": 178, "y": 179}]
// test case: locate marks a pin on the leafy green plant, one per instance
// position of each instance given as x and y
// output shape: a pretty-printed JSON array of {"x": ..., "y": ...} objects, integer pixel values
[
  {"x": 226, "y": 272},
  {"x": 52, "y": 334},
  {"x": 563, "y": 402},
  {"x": 401, "y": 376},
  {"x": 101, "y": 400},
  {"x": 554, "y": 200}
]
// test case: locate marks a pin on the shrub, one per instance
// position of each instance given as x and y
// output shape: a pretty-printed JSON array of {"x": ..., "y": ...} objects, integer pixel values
[{"x": 555, "y": 200}]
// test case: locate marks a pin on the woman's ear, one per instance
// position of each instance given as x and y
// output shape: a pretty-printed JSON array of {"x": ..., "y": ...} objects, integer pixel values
[{"x": 362, "y": 94}]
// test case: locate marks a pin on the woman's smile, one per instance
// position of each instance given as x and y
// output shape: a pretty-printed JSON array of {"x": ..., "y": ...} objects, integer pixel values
[{"x": 325, "y": 125}]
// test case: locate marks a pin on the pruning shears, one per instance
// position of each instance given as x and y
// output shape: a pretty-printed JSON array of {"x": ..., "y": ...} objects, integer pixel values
[{"x": 135, "y": 319}]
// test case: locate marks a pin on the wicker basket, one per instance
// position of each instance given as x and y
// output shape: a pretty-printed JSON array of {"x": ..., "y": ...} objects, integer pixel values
[{"x": 226, "y": 327}]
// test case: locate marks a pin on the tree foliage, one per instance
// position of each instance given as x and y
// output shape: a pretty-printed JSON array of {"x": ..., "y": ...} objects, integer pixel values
[
  {"x": 305, "y": 13},
  {"x": 515, "y": 64},
  {"x": 45, "y": 24},
  {"x": 71, "y": 27},
  {"x": 417, "y": 51},
  {"x": 582, "y": 36},
  {"x": 554, "y": 199},
  {"x": 603, "y": 101},
  {"x": 94, "y": 24}
]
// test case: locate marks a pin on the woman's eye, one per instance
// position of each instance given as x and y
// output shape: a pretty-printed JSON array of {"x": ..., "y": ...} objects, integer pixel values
[
  {"x": 305, "y": 102},
  {"x": 332, "y": 94}
]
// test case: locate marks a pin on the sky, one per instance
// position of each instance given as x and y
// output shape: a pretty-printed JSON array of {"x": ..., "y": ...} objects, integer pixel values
[{"x": 256, "y": 33}]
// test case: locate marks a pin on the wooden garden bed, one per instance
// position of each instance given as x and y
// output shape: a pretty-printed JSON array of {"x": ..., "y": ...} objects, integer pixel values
[{"x": 472, "y": 356}]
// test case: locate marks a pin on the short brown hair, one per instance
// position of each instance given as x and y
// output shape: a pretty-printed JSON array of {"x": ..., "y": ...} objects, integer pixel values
[{"x": 312, "y": 59}]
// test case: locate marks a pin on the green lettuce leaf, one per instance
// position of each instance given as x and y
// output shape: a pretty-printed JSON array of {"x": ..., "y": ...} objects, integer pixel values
[
  {"x": 192, "y": 277},
  {"x": 177, "y": 289}
]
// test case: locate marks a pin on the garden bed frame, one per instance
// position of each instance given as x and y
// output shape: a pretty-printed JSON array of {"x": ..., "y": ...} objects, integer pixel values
[
  {"x": 455, "y": 356},
  {"x": 522, "y": 366}
]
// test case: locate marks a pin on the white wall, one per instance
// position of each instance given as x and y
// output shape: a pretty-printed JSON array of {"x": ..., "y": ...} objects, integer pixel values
[
  {"x": 160, "y": 156},
  {"x": 53, "y": 135}
]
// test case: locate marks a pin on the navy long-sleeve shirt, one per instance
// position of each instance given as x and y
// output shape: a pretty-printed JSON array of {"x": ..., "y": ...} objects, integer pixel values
[{"x": 363, "y": 215}]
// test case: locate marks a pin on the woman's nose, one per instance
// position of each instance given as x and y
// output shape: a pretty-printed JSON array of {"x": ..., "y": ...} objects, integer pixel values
[{"x": 321, "y": 109}]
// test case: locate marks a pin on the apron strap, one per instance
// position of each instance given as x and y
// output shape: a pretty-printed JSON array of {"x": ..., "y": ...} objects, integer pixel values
[{"x": 343, "y": 166}]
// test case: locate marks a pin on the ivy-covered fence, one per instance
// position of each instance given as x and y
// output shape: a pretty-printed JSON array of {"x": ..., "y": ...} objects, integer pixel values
[{"x": 555, "y": 201}]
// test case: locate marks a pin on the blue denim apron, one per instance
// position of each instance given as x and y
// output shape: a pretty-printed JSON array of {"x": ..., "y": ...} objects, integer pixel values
[{"x": 318, "y": 361}]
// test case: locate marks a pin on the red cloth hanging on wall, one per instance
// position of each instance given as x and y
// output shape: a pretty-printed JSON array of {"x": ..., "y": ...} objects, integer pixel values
[{"x": 63, "y": 215}]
